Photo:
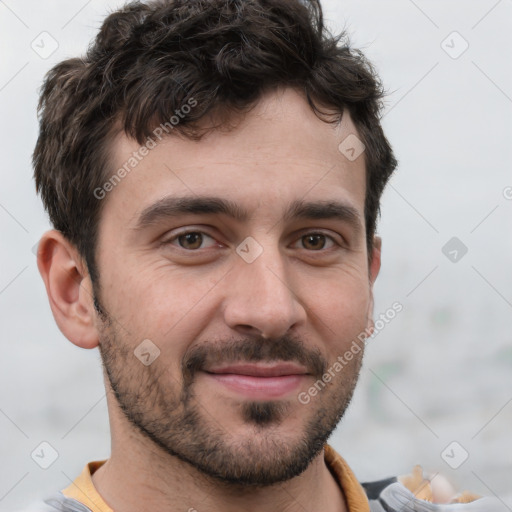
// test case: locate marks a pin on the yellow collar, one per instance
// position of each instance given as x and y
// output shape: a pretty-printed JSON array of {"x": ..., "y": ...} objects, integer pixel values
[{"x": 83, "y": 490}]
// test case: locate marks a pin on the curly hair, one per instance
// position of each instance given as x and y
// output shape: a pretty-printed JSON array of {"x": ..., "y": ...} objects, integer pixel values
[{"x": 150, "y": 58}]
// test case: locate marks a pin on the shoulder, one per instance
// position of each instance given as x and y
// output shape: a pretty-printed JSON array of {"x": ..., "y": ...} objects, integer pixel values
[
  {"x": 56, "y": 503},
  {"x": 414, "y": 493}
]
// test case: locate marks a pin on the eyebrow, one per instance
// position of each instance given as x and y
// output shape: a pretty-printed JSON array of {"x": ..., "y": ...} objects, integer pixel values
[{"x": 171, "y": 207}]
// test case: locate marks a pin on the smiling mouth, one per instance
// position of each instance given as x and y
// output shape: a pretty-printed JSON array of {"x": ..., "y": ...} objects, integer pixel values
[{"x": 261, "y": 381}]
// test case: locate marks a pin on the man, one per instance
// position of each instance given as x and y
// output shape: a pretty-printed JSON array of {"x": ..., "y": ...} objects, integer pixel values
[{"x": 213, "y": 171}]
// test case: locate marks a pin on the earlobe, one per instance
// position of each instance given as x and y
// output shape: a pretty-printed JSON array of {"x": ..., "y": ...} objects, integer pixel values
[{"x": 69, "y": 289}]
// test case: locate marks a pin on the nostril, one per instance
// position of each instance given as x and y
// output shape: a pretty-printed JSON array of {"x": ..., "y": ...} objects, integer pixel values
[{"x": 251, "y": 330}]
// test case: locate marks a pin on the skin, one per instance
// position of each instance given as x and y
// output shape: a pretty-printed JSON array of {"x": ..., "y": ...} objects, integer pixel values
[{"x": 181, "y": 439}]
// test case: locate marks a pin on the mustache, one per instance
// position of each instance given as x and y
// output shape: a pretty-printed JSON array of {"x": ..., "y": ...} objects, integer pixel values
[{"x": 254, "y": 349}]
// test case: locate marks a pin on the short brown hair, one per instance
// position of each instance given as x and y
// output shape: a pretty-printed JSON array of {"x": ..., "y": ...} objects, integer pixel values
[{"x": 151, "y": 58}]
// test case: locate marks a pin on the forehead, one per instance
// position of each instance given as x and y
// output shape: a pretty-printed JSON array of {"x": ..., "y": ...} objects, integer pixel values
[{"x": 278, "y": 153}]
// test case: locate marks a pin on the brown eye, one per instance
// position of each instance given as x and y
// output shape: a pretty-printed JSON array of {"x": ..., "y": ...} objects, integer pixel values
[
  {"x": 192, "y": 240},
  {"x": 192, "y": 244},
  {"x": 314, "y": 241}
]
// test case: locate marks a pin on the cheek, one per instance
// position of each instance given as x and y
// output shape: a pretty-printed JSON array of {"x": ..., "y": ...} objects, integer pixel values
[
  {"x": 165, "y": 305},
  {"x": 340, "y": 309}
]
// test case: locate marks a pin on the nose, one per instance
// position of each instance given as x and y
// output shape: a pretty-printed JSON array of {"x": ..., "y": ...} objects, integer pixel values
[{"x": 261, "y": 298}]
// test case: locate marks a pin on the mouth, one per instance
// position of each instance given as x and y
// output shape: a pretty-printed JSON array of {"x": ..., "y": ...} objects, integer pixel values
[
  {"x": 259, "y": 381},
  {"x": 260, "y": 370}
]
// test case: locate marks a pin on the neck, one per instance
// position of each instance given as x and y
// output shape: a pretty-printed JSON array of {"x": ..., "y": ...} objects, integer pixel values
[{"x": 140, "y": 478}]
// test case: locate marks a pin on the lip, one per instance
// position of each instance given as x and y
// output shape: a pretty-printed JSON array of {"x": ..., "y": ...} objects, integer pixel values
[
  {"x": 260, "y": 370},
  {"x": 259, "y": 381}
]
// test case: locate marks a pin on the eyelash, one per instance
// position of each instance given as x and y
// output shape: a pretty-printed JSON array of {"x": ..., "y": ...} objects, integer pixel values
[{"x": 183, "y": 233}]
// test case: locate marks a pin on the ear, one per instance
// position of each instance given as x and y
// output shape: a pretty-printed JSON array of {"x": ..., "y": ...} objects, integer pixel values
[
  {"x": 69, "y": 289},
  {"x": 373, "y": 273},
  {"x": 375, "y": 264}
]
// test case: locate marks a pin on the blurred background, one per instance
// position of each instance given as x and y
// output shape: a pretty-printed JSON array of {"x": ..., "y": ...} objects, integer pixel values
[{"x": 436, "y": 386}]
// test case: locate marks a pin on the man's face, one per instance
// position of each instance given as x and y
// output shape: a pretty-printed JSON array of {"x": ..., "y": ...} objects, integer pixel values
[{"x": 243, "y": 325}]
